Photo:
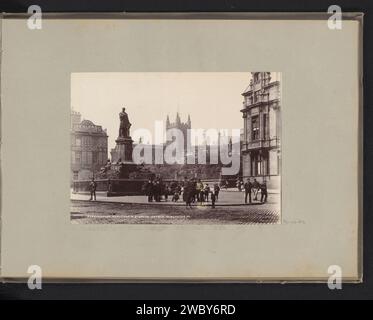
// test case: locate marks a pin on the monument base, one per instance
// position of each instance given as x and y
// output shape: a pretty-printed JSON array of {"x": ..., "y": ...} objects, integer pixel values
[
  {"x": 124, "y": 169},
  {"x": 122, "y": 151}
]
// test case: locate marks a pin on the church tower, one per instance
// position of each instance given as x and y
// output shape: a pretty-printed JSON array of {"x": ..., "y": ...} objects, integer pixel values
[
  {"x": 184, "y": 127},
  {"x": 167, "y": 122}
]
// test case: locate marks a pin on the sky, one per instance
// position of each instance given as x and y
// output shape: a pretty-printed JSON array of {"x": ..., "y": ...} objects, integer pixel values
[{"x": 212, "y": 99}]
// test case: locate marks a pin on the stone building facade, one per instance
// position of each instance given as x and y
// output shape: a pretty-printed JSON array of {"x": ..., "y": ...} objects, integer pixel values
[
  {"x": 89, "y": 148},
  {"x": 261, "y": 112}
]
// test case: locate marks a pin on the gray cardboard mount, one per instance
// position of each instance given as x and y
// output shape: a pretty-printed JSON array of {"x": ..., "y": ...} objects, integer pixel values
[{"x": 321, "y": 147}]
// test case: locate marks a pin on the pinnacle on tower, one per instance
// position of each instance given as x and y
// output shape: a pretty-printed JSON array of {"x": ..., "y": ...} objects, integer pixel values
[
  {"x": 189, "y": 122},
  {"x": 178, "y": 121},
  {"x": 167, "y": 122}
]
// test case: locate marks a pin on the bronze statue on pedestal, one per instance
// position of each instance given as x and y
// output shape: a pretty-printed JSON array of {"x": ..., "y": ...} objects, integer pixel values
[{"x": 124, "y": 128}]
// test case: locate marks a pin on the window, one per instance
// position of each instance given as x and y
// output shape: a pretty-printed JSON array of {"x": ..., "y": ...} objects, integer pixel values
[
  {"x": 78, "y": 142},
  {"x": 256, "y": 164},
  {"x": 259, "y": 166},
  {"x": 84, "y": 157},
  {"x": 87, "y": 141},
  {"x": 255, "y": 128},
  {"x": 101, "y": 158},
  {"x": 265, "y": 126},
  {"x": 77, "y": 157},
  {"x": 249, "y": 100},
  {"x": 89, "y": 157}
]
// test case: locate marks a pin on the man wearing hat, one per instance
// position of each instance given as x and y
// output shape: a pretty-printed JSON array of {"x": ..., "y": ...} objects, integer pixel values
[
  {"x": 248, "y": 186},
  {"x": 263, "y": 191},
  {"x": 92, "y": 188}
]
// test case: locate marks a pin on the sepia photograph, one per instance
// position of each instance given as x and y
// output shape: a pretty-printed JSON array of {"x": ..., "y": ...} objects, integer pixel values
[{"x": 176, "y": 148}]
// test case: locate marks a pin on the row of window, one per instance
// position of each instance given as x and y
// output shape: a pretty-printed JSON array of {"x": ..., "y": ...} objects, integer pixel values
[
  {"x": 88, "y": 141},
  {"x": 260, "y": 164},
  {"x": 86, "y": 157},
  {"x": 255, "y": 97}
]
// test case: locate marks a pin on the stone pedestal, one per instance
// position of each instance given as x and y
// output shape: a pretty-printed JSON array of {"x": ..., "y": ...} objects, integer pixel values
[
  {"x": 122, "y": 151},
  {"x": 124, "y": 169},
  {"x": 121, "y": 157}
]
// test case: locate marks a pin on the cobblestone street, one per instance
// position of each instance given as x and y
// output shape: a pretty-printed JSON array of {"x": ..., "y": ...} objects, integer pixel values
[{"x": 229, "y": 211}]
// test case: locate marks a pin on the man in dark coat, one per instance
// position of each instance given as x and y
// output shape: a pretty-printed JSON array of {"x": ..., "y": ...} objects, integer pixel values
[
  {"x": 213, "y": 198},
  {"x": 263, "y": 191},
  {"x": 216, "y": 191},
  {"x": 92, "y": 189},
  {"x": 149, "y": 190},
  {"x": 188, "y": 194},
  {"x": 207, "y": 192},
  {"x": 248, "y": 186},
  {"x": 157, "y": 191}
]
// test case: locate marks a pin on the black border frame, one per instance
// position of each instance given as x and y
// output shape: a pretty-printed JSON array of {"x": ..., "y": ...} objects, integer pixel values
[{"x": 222, "y": 291}]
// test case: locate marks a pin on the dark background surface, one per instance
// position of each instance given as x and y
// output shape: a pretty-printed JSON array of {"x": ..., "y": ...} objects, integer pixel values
[{"x": 186, "y": 291}]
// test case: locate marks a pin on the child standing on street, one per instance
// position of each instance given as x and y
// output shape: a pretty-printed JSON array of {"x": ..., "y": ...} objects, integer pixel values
[{"x": 213, "y": 198}]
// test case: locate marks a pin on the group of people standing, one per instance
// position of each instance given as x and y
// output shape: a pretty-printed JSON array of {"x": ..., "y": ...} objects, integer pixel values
[
  {"x": 254, "y": 188},
  {"x": 154, "y": 189},
  {"x": 190, "y": 190},
  {"x": 196, "y": 191}
]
